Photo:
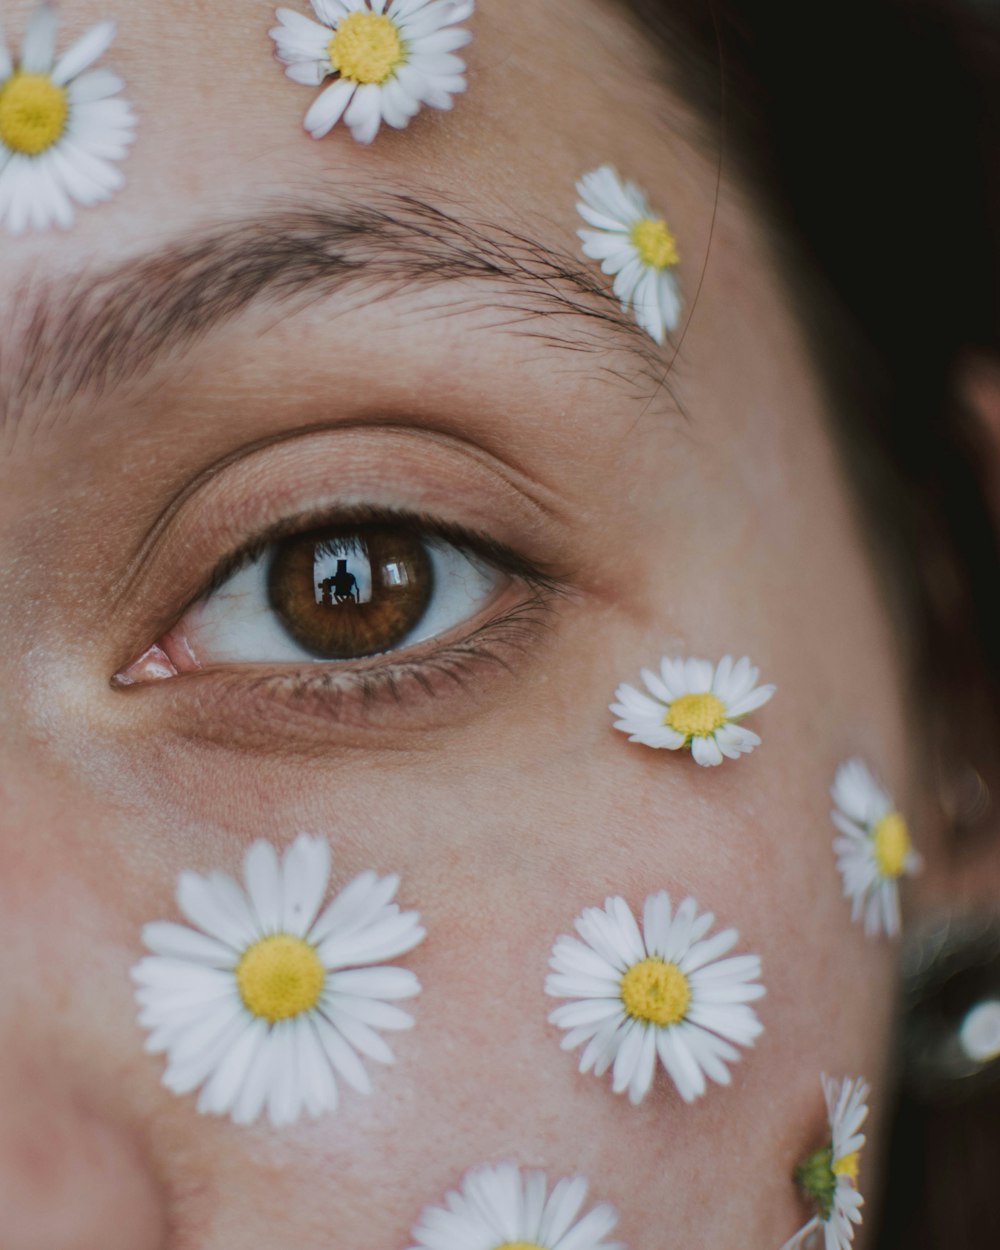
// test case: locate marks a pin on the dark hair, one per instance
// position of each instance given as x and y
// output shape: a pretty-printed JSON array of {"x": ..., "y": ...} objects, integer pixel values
[{"x": 869, "y": 134}]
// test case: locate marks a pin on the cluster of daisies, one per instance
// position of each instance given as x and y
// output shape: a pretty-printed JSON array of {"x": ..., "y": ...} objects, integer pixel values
[
  {"x": 271, "y": 997},
  {"x": 64, "y": 125}
]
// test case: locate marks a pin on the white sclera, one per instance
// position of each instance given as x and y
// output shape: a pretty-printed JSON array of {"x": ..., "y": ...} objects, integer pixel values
[
  {"x": 979, "y": 1033},
  {"x": 237, "y": 625}
]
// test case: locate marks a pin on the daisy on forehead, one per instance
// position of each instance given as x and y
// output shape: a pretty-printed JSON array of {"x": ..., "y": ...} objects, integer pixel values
[
  {"x": 664, "y": 991},
  {"x": 387, "y": 59},
  {"x": 633, "y": 244},
  {"x": 270, "y": 999},
  {"x": 498, "y": 1208},
  {"x": 694, "y": 704},
  {"x": 874, "y": 849},
  {"x": 61, "y": 126}
]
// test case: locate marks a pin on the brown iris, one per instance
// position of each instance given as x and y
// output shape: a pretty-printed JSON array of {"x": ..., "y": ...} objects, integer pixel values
[{"x": 350, "y": 592}]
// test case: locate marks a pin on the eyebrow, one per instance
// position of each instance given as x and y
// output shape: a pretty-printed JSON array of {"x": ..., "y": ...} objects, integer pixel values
[{"x": 94, "y": 331}]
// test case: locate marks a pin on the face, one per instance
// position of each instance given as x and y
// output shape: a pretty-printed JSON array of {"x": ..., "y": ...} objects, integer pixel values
[{"x": 402, "y": 348}]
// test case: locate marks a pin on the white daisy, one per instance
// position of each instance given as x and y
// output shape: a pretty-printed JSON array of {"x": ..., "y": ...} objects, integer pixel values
[
  {"x": 663, "y": 992},
  {"x": 875, "y": 850},
  {"x": 634, "y": 244},
  {"x": 269, "y": 1002},
  {"x": 387, "y": 58},
  {"x": 498, "y": 1208},
  {"x": 61, "y": 129},
  {"x": 694, "y": 703},
  {"x": 829, "y": 1176}
]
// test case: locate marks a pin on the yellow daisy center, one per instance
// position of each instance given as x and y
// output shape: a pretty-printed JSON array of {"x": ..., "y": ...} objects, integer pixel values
[
  {"x": 848, "y": 1166},
  {"x": 892, "y": 844},
  {"x": 279, "y": 977},
  {"x": 656, "y": 991},
  {"x": 366, "y": 47},
  {"x": 696, "y": 715},
  {"x": 656, "y": 246},
  {"x": 520, "y": 1245},
  {"x": 33, "y": 112}
]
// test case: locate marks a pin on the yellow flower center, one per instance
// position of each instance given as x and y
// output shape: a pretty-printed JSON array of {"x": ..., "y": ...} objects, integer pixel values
[
  {"x": 656, "y": 991},
  {"x": 279, "y": 977},
  {"x": 848, "y": 1166},
  {"x": 520, "y": 1245},
  {"x": 892, "y": 844},
  {"x": 696, "y": 715},
  {"x": 366, "y": 47},
  {"x": 33, "y": 112},
  {"x": 655, "y": 244}
]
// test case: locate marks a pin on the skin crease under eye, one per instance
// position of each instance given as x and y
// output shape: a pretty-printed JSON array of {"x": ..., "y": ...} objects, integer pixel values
[{"x": 729, "y": 532}]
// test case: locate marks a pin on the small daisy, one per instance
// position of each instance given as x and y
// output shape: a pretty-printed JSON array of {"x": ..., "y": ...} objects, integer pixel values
[
  {"x": 829, "y": 1176},
  {"x": 663, "y": 992},
  {"x": 694, "y": 704},
  {"x": 498, "y": 1208},
  {"x": 270, "y": 1002},
  {"x": 387, "y": 58},
  {"x": 875, "y": 850},
  {"x": 61, "y": 129},
  {"x": 634, "y": 244}
]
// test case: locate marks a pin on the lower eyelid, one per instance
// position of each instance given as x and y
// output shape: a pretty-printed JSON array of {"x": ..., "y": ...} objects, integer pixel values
[{"x": 304, "y": 710}]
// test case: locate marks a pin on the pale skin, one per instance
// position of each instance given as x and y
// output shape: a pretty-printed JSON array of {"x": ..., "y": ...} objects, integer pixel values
[{"x": 701, "y": 517}]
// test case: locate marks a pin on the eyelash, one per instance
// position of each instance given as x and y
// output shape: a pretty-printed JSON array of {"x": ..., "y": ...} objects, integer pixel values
[{"x": 333, "y": 682}]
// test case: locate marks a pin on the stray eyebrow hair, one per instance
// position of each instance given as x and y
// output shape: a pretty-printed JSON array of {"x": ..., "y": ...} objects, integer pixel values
[{"x": 91, "y": 332}]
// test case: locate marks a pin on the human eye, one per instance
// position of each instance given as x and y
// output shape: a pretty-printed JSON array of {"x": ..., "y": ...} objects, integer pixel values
[{"x": 360, "y": 604}]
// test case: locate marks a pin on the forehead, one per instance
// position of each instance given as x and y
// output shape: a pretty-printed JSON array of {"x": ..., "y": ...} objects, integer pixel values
[{"x": 553, "y": 89}]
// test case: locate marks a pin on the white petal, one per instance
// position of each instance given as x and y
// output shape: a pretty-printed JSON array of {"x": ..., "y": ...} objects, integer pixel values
[
  {"x": 263, "y": 881},
  {"x": 328, "y": 107},
  {"x": 706, "y": 751},
  {"x": 364, "y": 115},
  {"x": 163, "y": 937},
  {"x": 39, "y": 44},
  {"x": 99, "y": 84},
  {"x": 82, "y": 54},
  {"x": 200, "y": 901},
  {"x": 305, "y": 874}
]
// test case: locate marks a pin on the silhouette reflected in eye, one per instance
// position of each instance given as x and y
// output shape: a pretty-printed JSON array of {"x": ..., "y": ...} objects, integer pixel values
[{"x": 347, "y": 593}]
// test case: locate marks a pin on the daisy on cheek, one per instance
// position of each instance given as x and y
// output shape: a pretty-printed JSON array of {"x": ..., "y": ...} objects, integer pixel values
[
  {"x": 694, "y": 704},
  {"x": 268, "y": 1003},
  {"x": 662, "y": 992}
]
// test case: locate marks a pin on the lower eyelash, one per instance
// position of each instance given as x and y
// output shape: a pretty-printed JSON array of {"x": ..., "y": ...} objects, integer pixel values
[{"x": 327, "y": 687}]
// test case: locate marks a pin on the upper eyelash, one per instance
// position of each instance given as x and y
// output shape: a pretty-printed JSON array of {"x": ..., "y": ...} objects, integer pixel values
[{"x": 477, "y": 543}]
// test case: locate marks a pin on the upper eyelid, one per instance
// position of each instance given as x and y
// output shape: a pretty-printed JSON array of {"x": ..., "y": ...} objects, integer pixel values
[{"x": 499, "y": 555}]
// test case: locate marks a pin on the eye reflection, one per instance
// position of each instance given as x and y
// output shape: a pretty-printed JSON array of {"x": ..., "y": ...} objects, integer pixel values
[{"x": 343, "y": 594}]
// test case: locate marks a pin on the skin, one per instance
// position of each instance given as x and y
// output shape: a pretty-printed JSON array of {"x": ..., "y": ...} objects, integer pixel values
[{"x": 688, "y": 501}]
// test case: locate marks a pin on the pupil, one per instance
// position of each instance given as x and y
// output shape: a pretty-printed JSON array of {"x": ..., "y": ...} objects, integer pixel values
[{"x": 347, "y": 593}]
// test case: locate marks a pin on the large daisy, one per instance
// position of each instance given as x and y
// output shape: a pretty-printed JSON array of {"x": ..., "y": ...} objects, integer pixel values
[
  {"x": 387, "y": 59},
  {"x": 829, "y": 1176},
  {"x": 268, "y": 1000},
  {"x": 664, "y": 991},
  {"x": 694, "y": 703},
  {"x": 875, "y": 849},
  {"x": 497, "y": 1207},
  {"x": 633, "y": 243},
  {"x": 62, "y": 127}
]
